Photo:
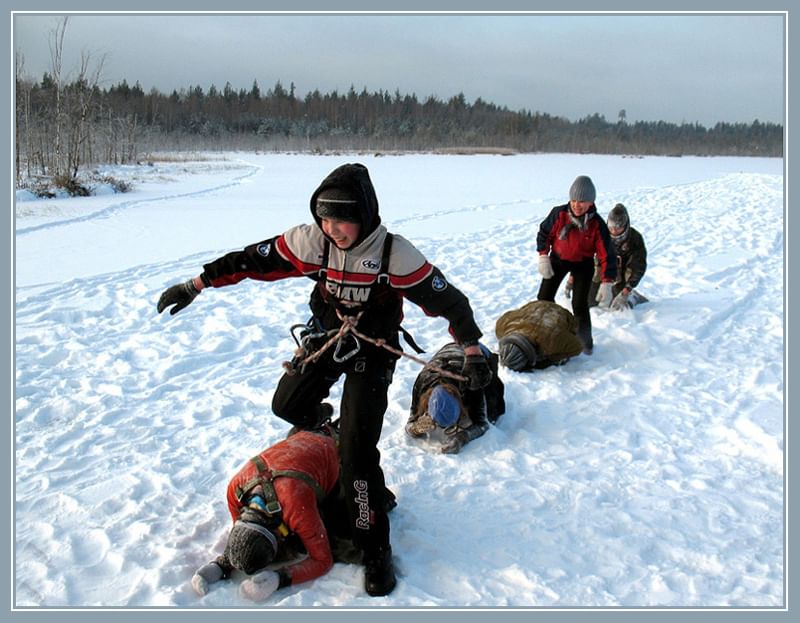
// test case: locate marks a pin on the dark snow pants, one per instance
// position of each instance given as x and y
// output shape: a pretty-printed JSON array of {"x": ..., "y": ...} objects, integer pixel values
[
  {"x": 582, "y": 273},
  {"x": 364, "y": 402}
]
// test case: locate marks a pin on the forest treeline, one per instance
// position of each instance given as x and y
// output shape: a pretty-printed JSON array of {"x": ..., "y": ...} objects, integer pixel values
[{"x": 63, "y": 126}]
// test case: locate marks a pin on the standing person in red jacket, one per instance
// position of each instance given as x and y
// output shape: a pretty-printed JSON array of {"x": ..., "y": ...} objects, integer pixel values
[
  {"x": 569, "y": 239},
  {"x": 275, "y": 500},
  {"x": 362, "y": 274}
]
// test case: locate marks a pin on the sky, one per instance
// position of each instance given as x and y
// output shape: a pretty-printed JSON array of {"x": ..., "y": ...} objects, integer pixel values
[{"x": 689, "y": 68}]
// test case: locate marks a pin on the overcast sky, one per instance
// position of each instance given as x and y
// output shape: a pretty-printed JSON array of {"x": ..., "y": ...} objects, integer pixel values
[{"x": 675, "y": 68}]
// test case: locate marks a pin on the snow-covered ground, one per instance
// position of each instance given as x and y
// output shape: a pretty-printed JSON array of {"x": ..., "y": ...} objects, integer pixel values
[{"x": 650, "y": 474}]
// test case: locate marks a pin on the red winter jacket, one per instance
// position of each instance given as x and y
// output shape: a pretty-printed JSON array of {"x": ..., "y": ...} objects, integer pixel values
[
  {"x": 316, "y": 456},
  {"x": 579, "y": 244}
]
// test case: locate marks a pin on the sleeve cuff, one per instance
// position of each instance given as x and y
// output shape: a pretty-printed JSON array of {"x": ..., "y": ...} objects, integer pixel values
[
  {"x": 202, "y": 281},
  {"x": 284, "y": 579},
  {"x": 226, "y": 566}
]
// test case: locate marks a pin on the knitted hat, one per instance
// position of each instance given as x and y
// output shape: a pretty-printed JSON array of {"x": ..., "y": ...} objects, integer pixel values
[
  {"x": 582, "y": 189},
  {"x": 250, "y": 546},
  {"x": 443, "y": 407},
  {"x": 618, "y": 217},
  {"x": 339, "y": 204},
  {"x": 517, "y": 352}
]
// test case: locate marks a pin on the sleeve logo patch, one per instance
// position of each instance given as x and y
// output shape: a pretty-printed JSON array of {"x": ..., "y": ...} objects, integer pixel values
[
  {"x": 438, "y": 283},
  {"x": 263, "y": 249}
]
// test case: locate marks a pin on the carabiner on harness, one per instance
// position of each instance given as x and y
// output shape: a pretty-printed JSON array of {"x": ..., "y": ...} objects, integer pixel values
[
  {"x": 305, "y": 336},
  {"x": 308, "y": 332},
  {"x": 338, "y": 357}
]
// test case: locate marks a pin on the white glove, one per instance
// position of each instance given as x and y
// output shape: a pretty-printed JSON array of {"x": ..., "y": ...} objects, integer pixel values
[
  {"x": 545, "y": 267},
  {"x": 205, "y": 575},
  {"x": 605, "y": 294},
  {"x": 620, "y": 302},
  {"x": 260, "y": 586}
]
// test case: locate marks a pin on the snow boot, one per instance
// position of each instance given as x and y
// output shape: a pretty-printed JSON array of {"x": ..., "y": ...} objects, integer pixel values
[
  {"x": 389, "y": 500},
  {"x": 321, "y": 417},
  {"x": 379, "y": 578},
  {"x": 636, "y": 298},
  {"x": 585, "y": 337}
]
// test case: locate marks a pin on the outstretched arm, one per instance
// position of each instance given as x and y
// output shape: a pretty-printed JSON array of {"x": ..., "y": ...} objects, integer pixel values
[{"x": 438, "y": 297}]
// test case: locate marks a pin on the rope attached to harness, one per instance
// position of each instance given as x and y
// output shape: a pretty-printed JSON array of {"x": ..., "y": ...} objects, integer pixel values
[{"x": 349, "y": 326}]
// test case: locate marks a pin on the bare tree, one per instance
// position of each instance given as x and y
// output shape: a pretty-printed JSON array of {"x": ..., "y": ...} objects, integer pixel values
[
  {"x": 56, "y": 62},
  {"x": 67, "y": 128},
  {"x": 79, "y": 148},
  {"x": 22, "y": 97}
]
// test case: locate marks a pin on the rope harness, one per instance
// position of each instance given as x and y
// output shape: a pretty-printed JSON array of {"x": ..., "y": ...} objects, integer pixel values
[
  {"x": 311, "y": 332},
  {"x": 268, "y": 504},
  {"x": 349, "y": 328}
]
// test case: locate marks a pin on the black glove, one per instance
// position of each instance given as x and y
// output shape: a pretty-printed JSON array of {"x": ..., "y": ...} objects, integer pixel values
[
  {"x": 477, "y": 371},
  {"x": 463, "y": 437},
  {"x": 179, "y": 295},
  {"x": 455, "y": 443}
]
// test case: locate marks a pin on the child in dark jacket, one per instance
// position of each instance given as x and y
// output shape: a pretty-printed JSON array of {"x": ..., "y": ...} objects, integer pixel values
[
  {"x": 630, "y": 254},
  {"x": 447, "y": 408}
]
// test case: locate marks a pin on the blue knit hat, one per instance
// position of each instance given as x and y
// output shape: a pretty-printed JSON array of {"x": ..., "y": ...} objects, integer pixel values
[{"x": 443, "y": 407}]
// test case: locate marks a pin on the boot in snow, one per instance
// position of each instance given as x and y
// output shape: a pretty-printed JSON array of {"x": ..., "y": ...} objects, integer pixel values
[
  {"x": 379, "y": 578},
  {"x": 585, "y": 336},
  {"x": 321, "y": 417}
]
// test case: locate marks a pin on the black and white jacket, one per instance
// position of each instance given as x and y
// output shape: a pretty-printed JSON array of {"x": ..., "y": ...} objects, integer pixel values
[{"x": 354, "y": 279}]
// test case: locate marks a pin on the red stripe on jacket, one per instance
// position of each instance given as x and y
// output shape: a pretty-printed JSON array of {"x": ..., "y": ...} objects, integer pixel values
[{"x": 304, "y": 268}]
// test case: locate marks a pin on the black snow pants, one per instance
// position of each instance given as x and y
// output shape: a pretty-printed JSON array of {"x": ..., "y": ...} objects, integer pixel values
[
  {"x": 363, "y": 404},
  {"x": 582, "y": 273}
]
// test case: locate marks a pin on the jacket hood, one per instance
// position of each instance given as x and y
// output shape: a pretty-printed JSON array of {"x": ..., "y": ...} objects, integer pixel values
[{"x": 354, "y": 178}]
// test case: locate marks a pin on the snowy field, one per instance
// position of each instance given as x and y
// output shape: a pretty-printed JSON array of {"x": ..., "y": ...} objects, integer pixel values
[{"x": 650, "y": 474}]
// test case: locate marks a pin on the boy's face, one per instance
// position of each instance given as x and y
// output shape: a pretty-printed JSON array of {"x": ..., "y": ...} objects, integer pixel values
[
  {"x": 343, "y": 233},
  {"x": 616, "y": 231},
  {"x": 579, "y": 208}
]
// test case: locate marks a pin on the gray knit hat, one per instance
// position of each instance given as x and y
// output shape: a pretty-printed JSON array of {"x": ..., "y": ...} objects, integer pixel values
[
  {"x": 250, "y": 547},
  {"x": 582, "y": 189},
  {"x": 618, "y": 217},
  {"x": 517, "y": 352}
]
